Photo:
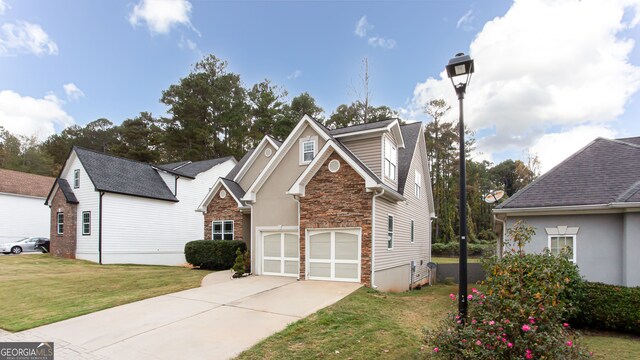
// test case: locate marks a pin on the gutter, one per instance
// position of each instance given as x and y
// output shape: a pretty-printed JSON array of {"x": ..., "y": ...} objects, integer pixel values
[
  {"x": 100, "y": 228},
  {"x": 373, "y": 238},
  {"x": 609, "y": 206}
]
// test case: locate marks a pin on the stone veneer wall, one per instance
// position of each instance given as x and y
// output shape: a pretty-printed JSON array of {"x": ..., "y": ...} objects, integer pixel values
[
  {"x": 334, "y": 200},
  {"x": 63, "y": 245},
  {"x": 223, "y": 209}
]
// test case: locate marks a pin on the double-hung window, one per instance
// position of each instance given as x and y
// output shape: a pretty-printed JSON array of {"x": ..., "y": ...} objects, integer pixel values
[
  {"x": 390, "y": 160},
  {"x": 413, "y": 227},
  {"x": 558, "y": 243},
  {"x": 222, "y": 230},
  {"x": 390, "y": 232},
  {"x": 86, "y": 223},
  {"x": 307, "y": 149},
  {"x": 418, "y": 183},
  {"x": 76, "y": 178},
  {"x": 60, "y": 223}
]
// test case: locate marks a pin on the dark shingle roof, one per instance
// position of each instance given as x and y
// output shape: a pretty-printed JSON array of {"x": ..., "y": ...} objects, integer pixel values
[
  {"x": 195, "y": 168},
  {"x": 410, "y": 134},
  {"x": 361, "y": 127},
  {"x": 631, "y": 140},
  {"x": 123, "y": 176},
  {"x": 66, "y": 190},
  {"x": 175, "y": 165},
  {"x": 21, "y": 183},
  {"x": 603, "y": 172},
  {"x": 236, "y": 169},
  {"x": 279, "y": 143},
  {"x": 237, "y": 191}
]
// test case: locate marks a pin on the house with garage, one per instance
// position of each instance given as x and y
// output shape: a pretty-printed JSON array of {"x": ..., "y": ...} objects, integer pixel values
[
  {"x": 21, "y": 210},
  {"x": 351, "y": 204},
  {"x": 112, "y": 210},
  {"x": 589, "y": 203}
]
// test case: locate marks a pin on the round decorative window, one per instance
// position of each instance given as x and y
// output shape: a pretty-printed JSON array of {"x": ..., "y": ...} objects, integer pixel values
[
  {"x": 334, "y": 165},
  {"x": 223, "y": 194},
  {"x": 268, "y": 152}
]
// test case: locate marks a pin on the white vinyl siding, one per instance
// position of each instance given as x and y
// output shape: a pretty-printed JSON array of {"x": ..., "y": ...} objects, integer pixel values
[
  {"x": 86, "y": 223},
  {"x": 23, "y": 216},
  {"x": 368, "y": 151},
  {"x": 404, "y": 251},
  {"x": 222, "y": 230}
]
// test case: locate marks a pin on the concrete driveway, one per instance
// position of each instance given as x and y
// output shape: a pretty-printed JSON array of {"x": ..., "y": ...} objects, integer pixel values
[{"x": 216, "y": 321}]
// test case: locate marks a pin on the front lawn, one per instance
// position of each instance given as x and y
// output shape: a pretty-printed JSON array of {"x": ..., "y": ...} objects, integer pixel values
[
  {"x": 371, "y": 325},
  {"x": 42, "y": 289}
]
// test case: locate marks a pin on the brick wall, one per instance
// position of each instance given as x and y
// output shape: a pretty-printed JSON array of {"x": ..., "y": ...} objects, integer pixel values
[
  {"x": 223, "y": 209},
  {"x": 334, "y": 200},
  {"x": 63, "y": 245}
]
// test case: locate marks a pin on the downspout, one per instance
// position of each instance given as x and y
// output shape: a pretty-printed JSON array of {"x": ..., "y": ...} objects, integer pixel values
[
  {"x": 500, "y": 241},
  {"x": 373, "y": 238},
  {"x": 297, "y": 199},
  {"x": 100, "y": 228},
  {"x": 254, "y": 265}
]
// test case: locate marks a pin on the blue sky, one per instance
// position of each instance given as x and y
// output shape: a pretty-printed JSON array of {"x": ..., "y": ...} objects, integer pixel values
[{"x": 116, "y": 57}]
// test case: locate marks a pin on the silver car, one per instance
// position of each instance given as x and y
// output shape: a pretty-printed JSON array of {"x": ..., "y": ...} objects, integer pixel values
[{"x": 17, "y": 247}]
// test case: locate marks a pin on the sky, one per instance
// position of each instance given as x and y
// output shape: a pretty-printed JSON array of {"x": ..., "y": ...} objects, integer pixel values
[{"x": 551, "y": 75}]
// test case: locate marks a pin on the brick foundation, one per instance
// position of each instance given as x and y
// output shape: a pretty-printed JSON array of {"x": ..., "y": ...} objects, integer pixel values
[
  {"x": 334, "y": 200},
  {"x": 63, "y": 245},
  {"x": 223, "y": 209}
]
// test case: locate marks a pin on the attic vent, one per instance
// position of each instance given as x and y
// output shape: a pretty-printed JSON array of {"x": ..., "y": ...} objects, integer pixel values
[
  {"x": 334, "y": 165},
  {"x": 268, "y": 152},
  {"x": 223, "y": 194}
]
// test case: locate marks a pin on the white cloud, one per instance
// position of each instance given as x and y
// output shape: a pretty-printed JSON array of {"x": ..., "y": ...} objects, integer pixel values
[
  {"x": 362, "y": 26},
  {"x": 3, "y": 7},
  {"x": 25, "y": 38},
  {"x": 379, "y": 41},
  {"x": 73, "y": 92},
  {"x": 29, "y": 116},
  {"x": 294, "y": 75},
  {"x": 544, "y": 64},
  {"x": 465, "y": 21},
  {"x": 187, "y": 44},
  {"x": 161, "y": 15},
  {"x": 553, "y": 148}
]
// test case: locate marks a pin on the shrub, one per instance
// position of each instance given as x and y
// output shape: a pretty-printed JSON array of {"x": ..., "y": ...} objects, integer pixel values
[
  {"x": 521, "y": 311},
  {"x": 453, "y": 248},
  {"x": 213, "y": 255},
  {"x": 240, "y": 266},
  {"x": 609, "y": 307}
]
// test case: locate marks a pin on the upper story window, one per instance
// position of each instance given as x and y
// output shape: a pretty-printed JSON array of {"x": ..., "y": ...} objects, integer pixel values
[
  {"x": 308, "y": 149},
  {"x": 418, "y": 181},
  {"x": 76, "y": 178},
  {"x": 390, "y": 159}
]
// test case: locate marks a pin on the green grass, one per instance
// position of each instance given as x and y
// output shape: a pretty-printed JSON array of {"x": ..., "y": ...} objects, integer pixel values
[
  {"x": 41, "y": 289},
  {"x": 452, "y": 260},
  {"x": 370, "y": 325}
]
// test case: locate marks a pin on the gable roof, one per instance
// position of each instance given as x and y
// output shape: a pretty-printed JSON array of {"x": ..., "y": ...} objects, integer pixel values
[
  {"x": 410, "y": 133},
  {"x": 255, "y": 153},
  {"x": 66, "y": 191},
  {"x": 123, "y": 176},
  {"x": 392, "y": 125},
  {"x": 631, "y": 140},
  {"x": 234, "y": 189},
  {"x": 604, "y": 172},
  {"x": 240, "y": 164},
  {"x": 356, "y": 128},
  {"x": 192, "y": 169},
  {"x": 21, "y": 183}
]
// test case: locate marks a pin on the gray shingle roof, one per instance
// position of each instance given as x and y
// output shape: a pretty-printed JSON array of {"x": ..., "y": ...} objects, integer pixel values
[
  {"x": 631, "y": 140},
  {"x": 66, "y": 190},
  {"x": 603, "y": 172},
  {"x": 237, "y": 191},
  {"x": 175, "y": 165},
  {"x": 195, "y": 168},
  {"x": 123, "y": 176},
  {"x": 361, "y": 127},
  {"x": 236, "y": 169},
  {"x": 410, "y": 134}
]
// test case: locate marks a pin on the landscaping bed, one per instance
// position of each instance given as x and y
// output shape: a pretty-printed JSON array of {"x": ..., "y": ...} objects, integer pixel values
[{"x": 42, "y": 289}]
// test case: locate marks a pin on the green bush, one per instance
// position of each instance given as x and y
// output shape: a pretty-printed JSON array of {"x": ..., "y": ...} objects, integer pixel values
[
  {"x": 609, "y": 307},
  {"x": 213, "y": 255},
  {"x": 521, "y": 311},
  {"x": 453, "y": 248}
]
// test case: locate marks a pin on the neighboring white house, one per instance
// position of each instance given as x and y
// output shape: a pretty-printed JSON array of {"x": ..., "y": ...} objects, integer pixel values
[
  {"x": 110, "y": 210},
  {"x": 21, "y": 210}
]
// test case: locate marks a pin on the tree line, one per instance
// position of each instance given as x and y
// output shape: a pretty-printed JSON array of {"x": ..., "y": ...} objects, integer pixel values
[{"x": 211, "y": 113}]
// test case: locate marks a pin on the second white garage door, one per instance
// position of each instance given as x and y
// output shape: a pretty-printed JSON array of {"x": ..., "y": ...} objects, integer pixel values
[{"x": 334, "y": 255}]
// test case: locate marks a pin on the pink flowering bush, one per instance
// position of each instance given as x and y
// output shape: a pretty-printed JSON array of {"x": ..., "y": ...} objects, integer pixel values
[{"x": 520, "y": 312}]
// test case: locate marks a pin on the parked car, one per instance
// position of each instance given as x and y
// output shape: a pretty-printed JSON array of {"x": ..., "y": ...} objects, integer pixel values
[
  {"x": 42, "y": 244},
  {"x": 22, "y": 245}
]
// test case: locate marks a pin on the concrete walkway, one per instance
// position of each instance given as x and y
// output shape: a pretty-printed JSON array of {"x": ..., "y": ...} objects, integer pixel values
[{"x": 216, "y": 321}]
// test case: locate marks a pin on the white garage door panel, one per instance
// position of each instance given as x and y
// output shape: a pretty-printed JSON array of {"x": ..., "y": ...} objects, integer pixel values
[
  {"x": 334, "y": 255},
  {"x": 280, "y": 254}
]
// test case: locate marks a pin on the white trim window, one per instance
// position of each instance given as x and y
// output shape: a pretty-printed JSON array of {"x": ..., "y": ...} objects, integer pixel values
[
  {"x": 413, "y": 231},
  {"x": 76, "y": 178},
  {"x": 418, "y": 183},
  {"x": 86, "y": 223},
  {"x": 390, "y": 160},
  {"x": 390, "y": 232},
  {"x": 222, "y": 230},
  {"x": 308, "y": 149},
  {"x": 60, "y": 223},
  {"x": 559, "y": 242}
]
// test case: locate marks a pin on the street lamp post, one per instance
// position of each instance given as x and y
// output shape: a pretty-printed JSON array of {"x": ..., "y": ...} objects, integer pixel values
[{"x": 461, "y": 66}]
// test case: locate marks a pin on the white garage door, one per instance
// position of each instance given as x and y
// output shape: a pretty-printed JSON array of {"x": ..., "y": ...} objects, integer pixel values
[
  {"x": 334, "y": 255},
  {"x": 280, "y": 254}
]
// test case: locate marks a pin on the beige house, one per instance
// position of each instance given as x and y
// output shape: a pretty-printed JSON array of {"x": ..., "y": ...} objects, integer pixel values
[{"x": 351, "y": 204}]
